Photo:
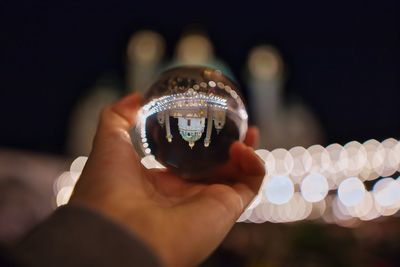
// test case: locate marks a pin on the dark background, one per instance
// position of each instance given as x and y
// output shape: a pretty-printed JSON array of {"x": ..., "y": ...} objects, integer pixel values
[{"x": 343, "y": 59}]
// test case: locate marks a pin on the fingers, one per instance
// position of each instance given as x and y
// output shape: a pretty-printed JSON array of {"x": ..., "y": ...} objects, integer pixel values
[
  {"x": 120, "y": 115},
  {"x": 116, "y": 120},
  {"x": 252, "y": 137},
  {"x": 245, "y": 158},
  {"x": 220, "y": 204},
  {"x": 112, "y": 150},
  {"x": 243, "y": 166},
  {"x": 171, "y": 185},
  {"x": 250, "y": 168},
  {"x": 246, "y": 194}
]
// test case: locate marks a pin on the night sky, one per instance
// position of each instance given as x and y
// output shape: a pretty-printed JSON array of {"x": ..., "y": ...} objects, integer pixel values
[{"x": 343, "y": 60}]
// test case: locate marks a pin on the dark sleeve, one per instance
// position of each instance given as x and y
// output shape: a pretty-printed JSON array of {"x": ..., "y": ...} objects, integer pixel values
[{"x": 75, "y": 236}]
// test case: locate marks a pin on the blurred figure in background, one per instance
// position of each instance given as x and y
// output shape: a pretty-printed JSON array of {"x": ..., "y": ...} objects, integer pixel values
[
  {"x": 145, "y": 53},
  {"x": 26, "y": 191},
  {"x": 195, "y": 48},
  {"x": 19, "y": 209},
  {"x": 85, "y": 115},
  {"x": 280, "y": 125}
]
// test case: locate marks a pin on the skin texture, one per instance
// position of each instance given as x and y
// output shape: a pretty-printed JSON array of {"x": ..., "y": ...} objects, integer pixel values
[{"x": 182, "y": 221}]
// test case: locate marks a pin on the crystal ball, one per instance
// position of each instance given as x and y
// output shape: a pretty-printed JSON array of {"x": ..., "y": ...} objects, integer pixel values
[{"x": 190, "y": 117}]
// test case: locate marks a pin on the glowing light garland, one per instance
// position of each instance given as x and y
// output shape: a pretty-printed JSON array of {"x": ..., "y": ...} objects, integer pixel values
[{"x": 313, "y": 183}]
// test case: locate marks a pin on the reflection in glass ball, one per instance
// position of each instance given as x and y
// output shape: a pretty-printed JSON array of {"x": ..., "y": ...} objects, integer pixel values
[{"x": 190, "y": 117}]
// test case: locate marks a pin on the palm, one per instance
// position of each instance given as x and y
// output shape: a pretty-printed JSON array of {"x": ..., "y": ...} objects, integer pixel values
[
  {"x": 241, "y": 166},
  {"x": 162, "y": 208}
]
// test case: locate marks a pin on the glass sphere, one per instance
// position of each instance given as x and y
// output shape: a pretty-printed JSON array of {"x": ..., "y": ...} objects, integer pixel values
[{"x": 190, "y": 117}]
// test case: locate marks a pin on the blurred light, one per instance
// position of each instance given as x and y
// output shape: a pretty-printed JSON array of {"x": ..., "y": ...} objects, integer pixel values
[
  {"x": 64, "y": 195},
  {"x": 279, "y": 189},
  {"x": 212, "y": 84},
  {"x": 344, "y": 210},
  {"x": 391, "y": 158},
  {"x": 351, "y": 191},
  {"x": 285, "y": 211},
  {"x": 320, "y": 158},
  {"x": 255, "y": 215},
  {"x": 283, "y": 162},
  {"x": 272, "y": 212},
  {"x": 146, "y": 47},
  {"x": 364, "y": 207},
  {"x": 340, "y": 211},
  {"x": 318, "y": 209},
  {"x": 255, "y": 202},
  {"x": 373, "y": 213},
  {"x": 150, "y": 162},
  {"x": 297, "y": 208},
  {"x": 307, "y": 210},
  {"x": 259, "y": 215},
  {"x": 194, "y": 49},
  {"x": 328, "y": 215},
  {"x": 65, "y": 179},
  {"x": 339, "y": 162},
  {"x": 263, "y": 154},
  {"x": 302, "y": 162},
  {"x": 386, "y": 211},
  {"x": 375, "y": 160},
  {"x": 387, "y": 192},
  {"x": 245, "y": 215},
  {"x": 357, "y": 157},
  {"x": 265, "y": 63},
  {"x": 77, "y": 166},
  {"x": 314, "y": 187}
]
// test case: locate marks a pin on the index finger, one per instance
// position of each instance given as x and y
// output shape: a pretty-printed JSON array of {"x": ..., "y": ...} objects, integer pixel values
[{"x": 116, "y": 120}]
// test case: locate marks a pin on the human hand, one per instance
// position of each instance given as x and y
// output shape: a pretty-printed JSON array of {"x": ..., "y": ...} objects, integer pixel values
[{"x": 182, "y": 221}]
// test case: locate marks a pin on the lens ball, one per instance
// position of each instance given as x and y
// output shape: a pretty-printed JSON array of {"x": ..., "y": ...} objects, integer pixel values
[{"x": 190, "y": 117}]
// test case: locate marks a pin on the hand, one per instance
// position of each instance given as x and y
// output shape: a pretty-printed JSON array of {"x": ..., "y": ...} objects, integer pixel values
[{"x": 182, "y": 221}]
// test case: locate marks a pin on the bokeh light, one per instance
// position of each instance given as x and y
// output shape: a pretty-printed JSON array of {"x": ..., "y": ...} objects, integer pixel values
[
  {"x": 314, "y": 187},
  {"x": 351, "y": 191},
  {"x": 279, "y": 189},
  {"x": 280, "y": 162}
]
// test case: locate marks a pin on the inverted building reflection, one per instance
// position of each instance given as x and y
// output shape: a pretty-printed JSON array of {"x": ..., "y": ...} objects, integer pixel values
[{"x": 196, "y": 113}]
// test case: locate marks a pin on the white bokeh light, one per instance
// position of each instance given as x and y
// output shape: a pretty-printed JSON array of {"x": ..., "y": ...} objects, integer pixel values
[
  {"x": 255, "y": 202},
  {"x": 257, "y": 214},
  {"x": 283, "y": 162},
  {"x": 339, "y": 162},
  {"x": 150, "y": 162},
  {"x": 364, "y": 207},
  {"x": 320, "y": 158},
  {"x": 279, "y": 189},
  {"x": 77, "y": 166},
  {"x": 65, "y": 179},
  {"x": 340, "y": 211},
  {"x": 318, "y": 209},
  {"x": 245, "y": 215},
  {"x": 351, "y": 191},
  {"x": 373, "y": 213},
  {"x": 269, "y": 211},
  {"x": 302, "y": 162},
  {"x": 314, "y": 187},
  {"x": 387, "y": 192},
  {"x": 357, "y": 158},
  {"x": 391, "y": 158},
  {"x": 375, "y": 160},
  {"x": 263, "y": 154},
  {"x": 64, "y": 195}
]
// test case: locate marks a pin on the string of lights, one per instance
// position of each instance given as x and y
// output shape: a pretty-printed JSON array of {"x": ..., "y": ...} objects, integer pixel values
[{"x": 337, "y": 184}]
